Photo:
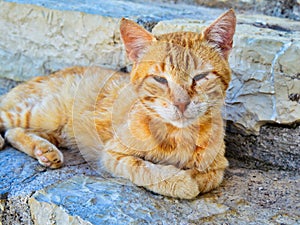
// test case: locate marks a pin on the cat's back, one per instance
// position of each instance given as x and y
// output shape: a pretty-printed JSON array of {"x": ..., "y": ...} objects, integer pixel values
[{"x": 62, "y": 85}]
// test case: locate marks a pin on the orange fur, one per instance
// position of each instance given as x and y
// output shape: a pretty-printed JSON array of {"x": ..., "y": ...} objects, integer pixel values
[{"x": 160, "y": 127}]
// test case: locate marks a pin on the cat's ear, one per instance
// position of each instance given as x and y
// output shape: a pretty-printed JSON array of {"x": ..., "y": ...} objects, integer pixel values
[
  {"x": 221, "y": 31},
  {"x": 136, "y": 39}
]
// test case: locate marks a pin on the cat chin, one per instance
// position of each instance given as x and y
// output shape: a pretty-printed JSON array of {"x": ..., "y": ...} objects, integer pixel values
[{"x": 182, "y": 123}]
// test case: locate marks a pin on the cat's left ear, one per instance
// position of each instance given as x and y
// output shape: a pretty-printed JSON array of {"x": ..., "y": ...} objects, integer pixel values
[
  {"x": 136, "y": 39},
  {"x": 221, "y": 31}
]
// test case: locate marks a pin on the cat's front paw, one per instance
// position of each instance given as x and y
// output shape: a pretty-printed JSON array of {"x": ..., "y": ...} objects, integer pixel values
[
  {"x": 49, "y": 156},
  {"x": 185, "y": 187},
  {"x": 177, "y": 184}
]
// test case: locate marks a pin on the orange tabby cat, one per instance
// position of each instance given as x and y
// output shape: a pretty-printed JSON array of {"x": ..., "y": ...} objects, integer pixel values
[{"x": 160, "y": 127}]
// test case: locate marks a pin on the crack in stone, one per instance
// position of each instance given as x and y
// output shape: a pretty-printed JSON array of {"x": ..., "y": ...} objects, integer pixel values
[
  {"x": 268, "y": 26},
  {"x": 281, "y": 51}
]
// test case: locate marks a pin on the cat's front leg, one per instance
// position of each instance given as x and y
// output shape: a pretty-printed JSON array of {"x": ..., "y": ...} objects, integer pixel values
[{"x": 167, "y": 180}]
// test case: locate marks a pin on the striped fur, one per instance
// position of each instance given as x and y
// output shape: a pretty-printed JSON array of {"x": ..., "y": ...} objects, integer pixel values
[{"x": 160, "y": 126}]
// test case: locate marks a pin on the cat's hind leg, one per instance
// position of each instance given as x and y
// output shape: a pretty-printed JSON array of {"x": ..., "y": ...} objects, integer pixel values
[{"x": 37, "y": 147}]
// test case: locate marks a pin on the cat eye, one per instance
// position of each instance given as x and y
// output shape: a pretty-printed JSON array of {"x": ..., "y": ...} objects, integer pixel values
[
  {"x": 160, "y": 79},
  {"x": 200, "y": 76}
]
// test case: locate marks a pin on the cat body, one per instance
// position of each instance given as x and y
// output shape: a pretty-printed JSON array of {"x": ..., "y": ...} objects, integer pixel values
[{"x": 159, "y": 126}]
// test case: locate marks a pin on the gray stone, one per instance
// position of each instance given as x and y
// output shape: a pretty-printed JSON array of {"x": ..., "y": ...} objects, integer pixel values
[
  {"x": 279, "y": 8},
  {"x": 21, "y": 175},
  {"x": 37, "y": 41},
  {"x": 19, "y": 172},
  {"x": 275, "y": 146},
  {"x": 33, "y": 195},
  {"x": 246, "y": 197}
]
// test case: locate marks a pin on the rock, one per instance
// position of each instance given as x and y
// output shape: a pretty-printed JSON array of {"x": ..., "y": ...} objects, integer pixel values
[
  {"x": 6, "y": 85},
  {"x": 21, "y": 175},
  {"x": 260, "y": 88},
  {"x": 275, "y": 146},
  {"x": 75, "y": 194},
  {"x": 96, "y": 200},
  {"x": 286, "y": 9},
  {"x": 42, "y": 40}
]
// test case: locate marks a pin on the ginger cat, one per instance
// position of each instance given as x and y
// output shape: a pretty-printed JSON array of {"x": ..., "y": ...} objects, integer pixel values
[{"x": 160, "y": 127}]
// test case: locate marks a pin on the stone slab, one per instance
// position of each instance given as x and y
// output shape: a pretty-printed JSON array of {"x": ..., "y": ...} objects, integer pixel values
[
  {"x": 274, "y": 147},
  {"x": 286, "y": 9},
  {"x": 21, "y": 176},
  {"x": 76, "y": 194},
  {"x": 50, "y": 35},
  {"x": 246, "y": 197}
]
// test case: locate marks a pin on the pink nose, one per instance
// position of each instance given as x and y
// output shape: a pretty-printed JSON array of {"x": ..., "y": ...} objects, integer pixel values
[{"x": 182, "y": 106}]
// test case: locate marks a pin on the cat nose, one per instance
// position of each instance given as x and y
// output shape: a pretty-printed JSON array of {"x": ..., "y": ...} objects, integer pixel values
[{"x": 182, "y": 105}]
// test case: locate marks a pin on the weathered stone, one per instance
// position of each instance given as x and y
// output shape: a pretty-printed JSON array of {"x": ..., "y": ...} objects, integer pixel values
[
  {"x": 275, "y": 146},
  {"x": 16, "y": 211},
  {"x": 21, "y": 175},
  {"x": 36, "y": 40},
  {"x": 6, "y": 85},
  {"x": 246, "y": 197},
  {"x": 279, "y": 8}
]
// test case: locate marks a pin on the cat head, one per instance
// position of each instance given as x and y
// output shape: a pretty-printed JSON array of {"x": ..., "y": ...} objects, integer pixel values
[{"x": 180, "y": 76}]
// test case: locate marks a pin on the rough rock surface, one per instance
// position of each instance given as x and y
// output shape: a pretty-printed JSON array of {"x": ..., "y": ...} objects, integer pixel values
[
  {"x": 114, "y": 201},
  {"x": 279, "y": 8},
  {"x": 36, "y": 40},
  {"x": 21, "y": 175},
  {"x": 75, "y": 194},
  {"x": 275, "y": 146}
]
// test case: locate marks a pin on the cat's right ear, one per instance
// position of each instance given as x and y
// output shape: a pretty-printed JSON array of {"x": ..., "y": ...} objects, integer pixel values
[{"x": 136, "y": 39}]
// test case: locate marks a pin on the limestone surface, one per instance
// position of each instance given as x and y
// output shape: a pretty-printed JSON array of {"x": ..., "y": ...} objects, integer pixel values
[
  {"x": 75, "y": 194},
  {"x": 37, "y": 40}
]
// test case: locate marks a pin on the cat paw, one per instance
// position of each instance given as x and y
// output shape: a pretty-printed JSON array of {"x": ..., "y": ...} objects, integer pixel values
[
  {"x": 186, "y": 188},
  {"x": 180, "y": 185},
  {"x": 49, "y": 156}
]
